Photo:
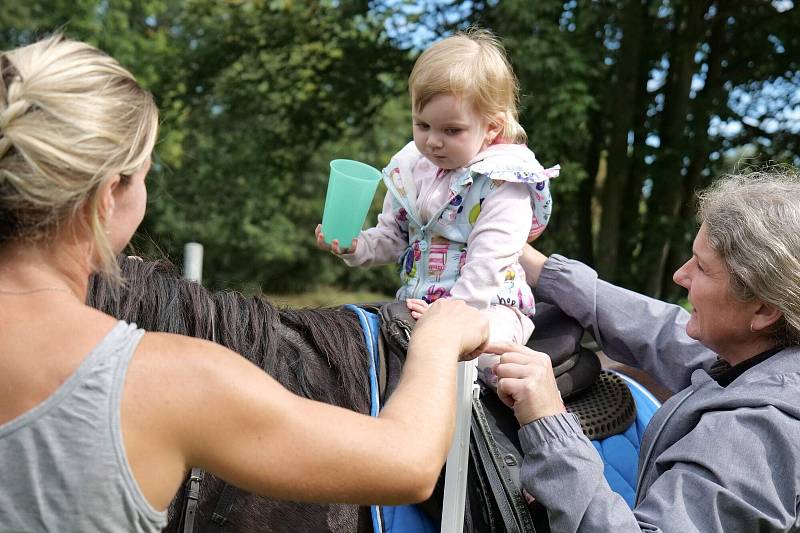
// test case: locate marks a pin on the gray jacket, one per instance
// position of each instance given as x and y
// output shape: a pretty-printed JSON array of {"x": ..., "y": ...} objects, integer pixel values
[{"x": 712, "y": 458}]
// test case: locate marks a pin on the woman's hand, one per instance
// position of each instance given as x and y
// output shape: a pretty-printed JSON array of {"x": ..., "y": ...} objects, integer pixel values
[
  {"x": 417, "y": 307},
  {"x": 532, "y": 261},
  {"x": 448, "y": 320},
  {"x": 525, "y": 382},
  {"x": 334, "y": 246}
]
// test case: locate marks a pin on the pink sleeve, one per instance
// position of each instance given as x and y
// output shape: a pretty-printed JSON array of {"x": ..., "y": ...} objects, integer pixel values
[
  {"x": 495, "y": 243},
  {"x": 385, "y": 242}
]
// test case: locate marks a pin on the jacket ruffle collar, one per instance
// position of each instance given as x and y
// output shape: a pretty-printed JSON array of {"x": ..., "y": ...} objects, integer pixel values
[
  {"x": 504, "y": 162},
  {"x": 515, "y": 163}
]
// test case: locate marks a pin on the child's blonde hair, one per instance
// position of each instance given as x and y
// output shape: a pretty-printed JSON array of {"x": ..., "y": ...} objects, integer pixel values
[
  {"x": 473, "y": 66},
  {"x": 70, "y": 118}
]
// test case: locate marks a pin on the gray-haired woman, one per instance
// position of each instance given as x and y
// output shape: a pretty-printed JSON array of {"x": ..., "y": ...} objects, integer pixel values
[{"x": 723, "y": 454}]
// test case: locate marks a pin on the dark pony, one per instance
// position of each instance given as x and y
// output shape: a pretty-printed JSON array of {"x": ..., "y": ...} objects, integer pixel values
[{"x": 316, "y": 353}]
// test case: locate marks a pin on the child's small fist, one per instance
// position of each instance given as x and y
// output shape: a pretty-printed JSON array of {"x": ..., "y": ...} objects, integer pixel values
[
  {"x": 334, "y": 246},
  {"x": 417, "y": 307},
  {"x": 321, "y": 238}
]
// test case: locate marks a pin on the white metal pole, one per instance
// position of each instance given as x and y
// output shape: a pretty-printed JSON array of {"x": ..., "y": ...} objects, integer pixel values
[
  {"x": 193, "y": 261},
  {"x": 455, "y": 477}
]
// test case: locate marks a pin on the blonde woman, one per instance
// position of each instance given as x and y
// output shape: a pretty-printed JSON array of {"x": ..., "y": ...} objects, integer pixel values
[
  {"x": 99, "y": 420},
  {"x": 465, "y": 195}
]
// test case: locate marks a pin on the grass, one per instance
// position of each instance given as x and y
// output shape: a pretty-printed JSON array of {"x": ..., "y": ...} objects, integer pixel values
[{"x": 325, "y": 297}]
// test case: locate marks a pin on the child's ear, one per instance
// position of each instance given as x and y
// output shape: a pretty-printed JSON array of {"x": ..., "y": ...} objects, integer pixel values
[{"x": 495, "y": 129}]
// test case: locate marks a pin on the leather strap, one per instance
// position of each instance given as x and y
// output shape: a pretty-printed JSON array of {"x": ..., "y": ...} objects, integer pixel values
[
  {"x": 485, "y": 493},
  {"x": 382, "y": 368},
  {"x": 498, "y": 492},
  {"x": 508, "y": 496},
  {"x": 221, "y": 515},
  {"x": 191, "y": 497}
]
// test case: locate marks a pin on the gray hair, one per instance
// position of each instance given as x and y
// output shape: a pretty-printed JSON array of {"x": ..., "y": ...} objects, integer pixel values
[
  {"x": 753, "y": 222},
  {"x": 70, "y": 118}
]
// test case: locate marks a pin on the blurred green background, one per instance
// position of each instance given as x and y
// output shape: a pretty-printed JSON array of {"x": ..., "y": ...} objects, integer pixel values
[{"x": 641, "y": 102}]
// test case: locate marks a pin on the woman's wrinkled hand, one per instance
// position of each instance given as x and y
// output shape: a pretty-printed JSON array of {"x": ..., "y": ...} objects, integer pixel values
[{"x": 525, "y": 382}]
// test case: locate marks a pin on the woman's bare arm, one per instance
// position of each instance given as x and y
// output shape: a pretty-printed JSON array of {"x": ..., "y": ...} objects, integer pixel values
[{"x": 226, "y": 415}]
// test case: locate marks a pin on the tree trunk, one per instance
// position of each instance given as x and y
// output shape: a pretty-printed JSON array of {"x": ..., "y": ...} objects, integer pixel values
[
  {"x": 632, "y": 208},
  {"x": 664, "y": 203},
  {"x": 631, "y": 225},
  {"x": 586, "y": 191},
  {"x": 622, "y": 113},
  {"x": 702, "y": 111}
]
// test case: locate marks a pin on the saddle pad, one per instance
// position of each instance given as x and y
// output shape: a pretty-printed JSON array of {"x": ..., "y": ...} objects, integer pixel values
[
  {"x": 606, "y": 409},
  {"x": 406, "y": 519},
  {"x": 620, "y": 453}
]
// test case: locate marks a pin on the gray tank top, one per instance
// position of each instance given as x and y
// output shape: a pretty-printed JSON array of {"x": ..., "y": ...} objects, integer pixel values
[{"x": 63, "y": 464}]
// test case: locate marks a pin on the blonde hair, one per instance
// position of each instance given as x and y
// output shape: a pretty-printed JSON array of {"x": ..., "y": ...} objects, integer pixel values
[
  {"x": 473, "y": 66},
  {"x": 70, "y": 118},
  {"x": 753, "y": 222}
]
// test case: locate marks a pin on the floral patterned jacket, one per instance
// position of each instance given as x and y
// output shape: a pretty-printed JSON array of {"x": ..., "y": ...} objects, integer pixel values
[{"x": 459, "y": 233}]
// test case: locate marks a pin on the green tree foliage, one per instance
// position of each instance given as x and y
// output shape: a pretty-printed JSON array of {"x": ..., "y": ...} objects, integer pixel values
[
  {"x": 256, "y": 97},
  {"x": 643, "y": 102},
  {"x": 265, "y": 86},
  {"x": 640, "y": 101}
]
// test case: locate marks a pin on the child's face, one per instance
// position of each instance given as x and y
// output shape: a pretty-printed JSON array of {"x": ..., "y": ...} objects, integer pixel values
[{"x": 449, "y": 132}]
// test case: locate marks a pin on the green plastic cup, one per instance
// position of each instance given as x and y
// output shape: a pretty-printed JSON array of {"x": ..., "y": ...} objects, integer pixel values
[{"x": 351, "y": 187}]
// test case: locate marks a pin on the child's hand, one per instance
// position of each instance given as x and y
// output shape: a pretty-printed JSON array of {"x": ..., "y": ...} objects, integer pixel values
[
  {"x": 417, "y": 307},
  {"x": 334, "y": 246}
]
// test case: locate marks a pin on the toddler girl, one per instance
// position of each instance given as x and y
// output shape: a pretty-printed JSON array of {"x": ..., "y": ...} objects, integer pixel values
[{"x": 464, "y": 196}]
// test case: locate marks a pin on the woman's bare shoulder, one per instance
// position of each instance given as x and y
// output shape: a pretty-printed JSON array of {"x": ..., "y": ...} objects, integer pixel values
[
  {"x": 190, "y": 365},
  {"x": 170, "y": 353}
]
